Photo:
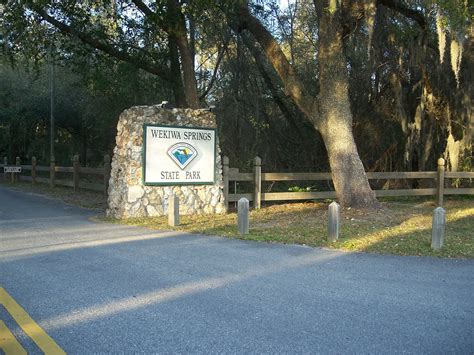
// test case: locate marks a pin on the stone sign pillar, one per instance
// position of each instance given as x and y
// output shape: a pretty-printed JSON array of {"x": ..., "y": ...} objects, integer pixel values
[{"x": 131, "y": 195}]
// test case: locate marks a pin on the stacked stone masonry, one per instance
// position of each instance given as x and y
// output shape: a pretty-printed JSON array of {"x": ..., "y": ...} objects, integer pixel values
[{"x": 128, "y": 196}]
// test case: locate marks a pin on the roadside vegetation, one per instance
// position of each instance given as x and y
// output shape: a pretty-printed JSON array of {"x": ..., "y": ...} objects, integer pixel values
[{"x": 402, "y": 226}]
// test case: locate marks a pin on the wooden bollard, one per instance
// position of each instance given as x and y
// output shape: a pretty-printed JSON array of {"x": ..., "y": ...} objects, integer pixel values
[
  {"x": 225, "y": 174},
  {"x": 257, "y": 176},
  {"x": 334, "y": 217},
  {"x": 243, "y": 216},
  {"x": 438, "y": 228},
  {"x": 173, "y": 210},
  {"x": 440, "y": 183}
]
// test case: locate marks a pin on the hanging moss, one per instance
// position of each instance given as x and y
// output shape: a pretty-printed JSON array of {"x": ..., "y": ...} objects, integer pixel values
[
  {"x": 333, "y": 5},
  {"x": 456, "y": 56},
  {"x": 441, "y": 31}
]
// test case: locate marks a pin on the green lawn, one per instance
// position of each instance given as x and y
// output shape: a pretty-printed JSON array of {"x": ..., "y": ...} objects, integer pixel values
[{"x": 402, "y": 227}]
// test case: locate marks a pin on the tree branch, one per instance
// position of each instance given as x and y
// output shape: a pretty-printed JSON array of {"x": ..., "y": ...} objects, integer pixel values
[
  {"x": 151, "y": 14},
  {"x": 292, "y": 85},
  {"x": 104, "y": 47},
  {"x": 401, "y": 8},
  {"x": 220, "y": 55},
  {"x": 287, "y": 107},
  {"x": 143, "y": 8}
]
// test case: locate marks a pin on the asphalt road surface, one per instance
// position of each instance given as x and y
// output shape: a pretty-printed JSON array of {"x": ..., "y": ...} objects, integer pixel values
[{"x": 96, "y": 287}]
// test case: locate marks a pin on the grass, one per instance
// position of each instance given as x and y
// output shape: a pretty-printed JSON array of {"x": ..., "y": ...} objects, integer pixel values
[{"x": 402, "y": 227}]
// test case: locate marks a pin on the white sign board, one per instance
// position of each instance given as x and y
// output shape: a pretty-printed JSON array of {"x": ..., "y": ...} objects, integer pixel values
[
  {"x": 178, "y": 155},
  {"x": 12, "y": 169}
]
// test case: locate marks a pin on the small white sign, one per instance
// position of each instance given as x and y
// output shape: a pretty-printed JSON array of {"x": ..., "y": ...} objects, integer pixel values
[
  {"x": 178, "y": 155},
  {"x": 12, "y": 169}
]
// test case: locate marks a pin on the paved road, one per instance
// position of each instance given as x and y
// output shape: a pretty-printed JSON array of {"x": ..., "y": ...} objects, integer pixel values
[{"x": 96, "y": 287}]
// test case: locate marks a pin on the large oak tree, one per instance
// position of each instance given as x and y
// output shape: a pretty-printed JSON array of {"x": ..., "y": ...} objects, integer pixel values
[{"x": 330, "y": 111}]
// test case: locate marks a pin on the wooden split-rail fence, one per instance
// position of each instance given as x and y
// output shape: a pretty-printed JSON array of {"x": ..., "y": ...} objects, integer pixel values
[
  {"x": 77, "y": 179},
  {"x": 256, "y": 177}
]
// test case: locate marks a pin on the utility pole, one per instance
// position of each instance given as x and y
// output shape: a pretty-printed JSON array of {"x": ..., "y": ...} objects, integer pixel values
[{"x": 52, "y": 159}]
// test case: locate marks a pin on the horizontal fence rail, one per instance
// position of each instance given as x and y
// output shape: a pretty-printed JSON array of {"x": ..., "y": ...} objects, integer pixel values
[
  {"x": 76, "y": 171},
  {"x": 257, "y": 177}
]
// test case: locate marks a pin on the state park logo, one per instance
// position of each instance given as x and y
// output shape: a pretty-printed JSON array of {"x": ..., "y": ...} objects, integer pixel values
[{"x": 182, "y": 154}]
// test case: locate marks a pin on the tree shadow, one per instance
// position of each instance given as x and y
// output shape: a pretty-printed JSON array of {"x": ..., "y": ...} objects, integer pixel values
[{"x": 413, "y": 237}]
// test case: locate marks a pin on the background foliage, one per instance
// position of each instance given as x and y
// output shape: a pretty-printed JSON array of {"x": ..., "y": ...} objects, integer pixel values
[{"x": 411, "y": 95}]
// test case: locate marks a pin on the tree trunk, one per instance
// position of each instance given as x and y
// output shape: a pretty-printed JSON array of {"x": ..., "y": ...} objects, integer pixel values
[
  {"x": 190, "y": 83},
  {"x": 179, "y": 34},
  {"x": 178, "y": 90},
  {"x": 332, "y": 117},
  {"x": 348, "y": 174}
]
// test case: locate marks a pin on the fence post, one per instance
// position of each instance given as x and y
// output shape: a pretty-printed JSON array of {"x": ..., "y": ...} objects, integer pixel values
[
  {"x": 440, "y": 182},
  {"x": 33, "y": 170},
  {"x": 106, "y": 173},
  {"x": 76, "y": 166},
  {"x": 5, "y": 163},
  {"x": 52, "y": 173},
  {"x": 257, "y": 174},
  {"x": 243, "y": 216},
  {"x": 16, "y": 176},
  {"x": 225, "y": 173}
]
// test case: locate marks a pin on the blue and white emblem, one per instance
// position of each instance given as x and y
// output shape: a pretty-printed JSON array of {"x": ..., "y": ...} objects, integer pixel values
[{"x": 182, "y": 154}]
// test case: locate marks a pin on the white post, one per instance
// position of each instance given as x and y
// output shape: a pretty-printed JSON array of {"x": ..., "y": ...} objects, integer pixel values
[
  {"x": 438, "y": 227},
  {"x": 243, "y": 216},
  {"x": 173, "y": 210},
  {"x": 334, "y": 217}
]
